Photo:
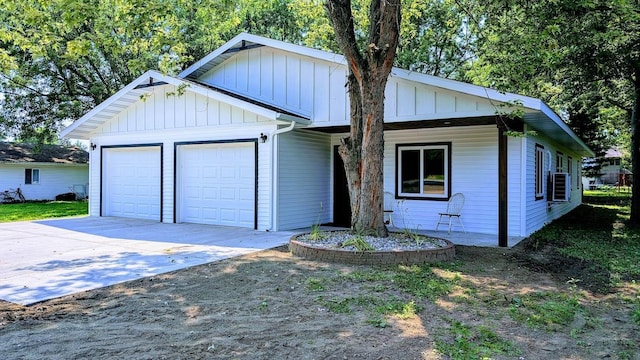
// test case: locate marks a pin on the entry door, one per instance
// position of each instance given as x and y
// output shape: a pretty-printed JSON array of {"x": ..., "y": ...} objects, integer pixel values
[{"x": 341, "y": 204}]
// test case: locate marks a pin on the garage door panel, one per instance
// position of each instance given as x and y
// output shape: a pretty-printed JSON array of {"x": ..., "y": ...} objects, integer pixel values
[
  {"x": 131, "y": 182},
  {"x": 226, "y": 182}
]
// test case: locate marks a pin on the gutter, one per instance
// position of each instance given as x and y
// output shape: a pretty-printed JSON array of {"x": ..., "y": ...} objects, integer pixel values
[{"x": 274, "y": 172}]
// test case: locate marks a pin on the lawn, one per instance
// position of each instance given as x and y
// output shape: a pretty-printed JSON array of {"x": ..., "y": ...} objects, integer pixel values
[
  {"x": 42, "y": 210},
  {"x": 570, "y": 291}
]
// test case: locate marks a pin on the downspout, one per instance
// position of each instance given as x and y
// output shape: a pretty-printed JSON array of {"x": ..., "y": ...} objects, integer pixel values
[{"x": 274, "y": 174}]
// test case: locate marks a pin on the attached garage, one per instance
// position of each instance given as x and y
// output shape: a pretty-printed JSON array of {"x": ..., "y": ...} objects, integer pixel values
[
  {"x": 216, "y": 183},
  {"x": 131, "y": 182}
]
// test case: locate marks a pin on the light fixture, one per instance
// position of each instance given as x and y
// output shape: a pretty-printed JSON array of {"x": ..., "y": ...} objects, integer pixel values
[
  {"x": 263, "y": 137},
  {"x": 93, "y": 146}
]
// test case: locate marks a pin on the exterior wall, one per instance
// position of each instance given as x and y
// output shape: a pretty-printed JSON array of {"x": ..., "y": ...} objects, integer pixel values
[
  {"x": 304, "y": 186},
  {"x": 54, "y": 179},
  {"x": 316, "y": 89},
  {"x": 474, "y": 172},
  {"x": 163, "y": 111},
  {"x": 167, "y": 120},
  {"x": 541, "y": 212}
]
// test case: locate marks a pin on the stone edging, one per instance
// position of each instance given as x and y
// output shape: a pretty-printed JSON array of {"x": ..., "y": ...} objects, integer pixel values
[{"x": 408, "y": 257}]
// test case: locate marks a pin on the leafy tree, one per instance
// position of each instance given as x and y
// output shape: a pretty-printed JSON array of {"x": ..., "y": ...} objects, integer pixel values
[{"x": 369, "y": 67}]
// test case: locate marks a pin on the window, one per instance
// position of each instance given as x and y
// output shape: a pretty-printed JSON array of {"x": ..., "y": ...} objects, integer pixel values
[
  {"x": 31, "y": 176},
  {"x": 424, "y": 170},
  {"x": 570, "y": 168},
  {"x": 559, "y": 162},
  {"x": 539, "y": 172}
]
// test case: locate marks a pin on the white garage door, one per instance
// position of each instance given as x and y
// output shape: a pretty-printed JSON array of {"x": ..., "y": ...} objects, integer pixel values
[
  {"x": 131, "y": 182},
  {"x": 217, "y": 184}
]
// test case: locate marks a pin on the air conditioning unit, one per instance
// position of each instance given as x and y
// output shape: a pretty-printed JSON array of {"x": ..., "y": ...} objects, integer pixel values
[{"x": 561, "y": 187}]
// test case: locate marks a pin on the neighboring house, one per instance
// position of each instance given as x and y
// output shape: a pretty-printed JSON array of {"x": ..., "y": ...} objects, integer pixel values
[
  {"x": 247, "y": 136},
  {"x": 611, "y": 172},
  {"x": 42, "y": 172}
]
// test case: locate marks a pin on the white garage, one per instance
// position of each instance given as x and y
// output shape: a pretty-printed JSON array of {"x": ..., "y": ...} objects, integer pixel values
[
  {"x": 131, "y": 182},
  {"x": 216, "y": 183}
]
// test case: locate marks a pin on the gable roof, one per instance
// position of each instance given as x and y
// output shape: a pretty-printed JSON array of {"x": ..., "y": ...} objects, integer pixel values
[
  {"x": 83, "y": 127},
  {"x": 30, "y": 153},
  {"x": 539, "y": 116}
]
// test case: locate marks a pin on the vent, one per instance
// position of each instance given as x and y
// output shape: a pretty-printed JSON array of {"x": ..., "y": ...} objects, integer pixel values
[{"x": 561, "y": 185}]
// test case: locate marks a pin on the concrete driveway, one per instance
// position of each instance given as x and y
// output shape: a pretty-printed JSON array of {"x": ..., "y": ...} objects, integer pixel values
[{"x": 41, "y": 260}]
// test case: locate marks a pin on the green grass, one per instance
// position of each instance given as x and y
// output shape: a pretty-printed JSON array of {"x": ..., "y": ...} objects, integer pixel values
[
  {"x": 42, "y": 210},
  {"x": 597, "y": 232},
  {"x": 473, "y": 342},
  {"x": 547, "y": 310}
]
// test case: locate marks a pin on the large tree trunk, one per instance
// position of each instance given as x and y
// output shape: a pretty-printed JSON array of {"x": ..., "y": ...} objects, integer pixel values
[
  {"x": 362, "y": 152},
  {"x": 635, "y": 152}
]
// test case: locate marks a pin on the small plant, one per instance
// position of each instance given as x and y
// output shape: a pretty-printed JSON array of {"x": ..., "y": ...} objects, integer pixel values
[
  {"x": 635, "y": 314},
  {"x": 315, "y": 284},
  {"x": 316, "y": 234},
  {"x": 547, "y": 310},
  {"x": 359, "y": 243},
  {"x": 467, "y": 342},
  {"x": 421, "y": 281}
]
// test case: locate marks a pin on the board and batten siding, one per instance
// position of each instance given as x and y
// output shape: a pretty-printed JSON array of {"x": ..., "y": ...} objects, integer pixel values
[
  {"x": 55, "y": 179},
  {"x": 316, "y": 89},
  {"x": 541, "y": 212},
  {"x": 163, "y": 109},
  {"x": 185, "y": 118},
  {"x": 304, "y": 179}
]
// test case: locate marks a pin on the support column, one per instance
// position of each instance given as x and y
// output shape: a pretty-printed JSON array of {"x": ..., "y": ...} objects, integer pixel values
[{"x": 503, "y": 239}]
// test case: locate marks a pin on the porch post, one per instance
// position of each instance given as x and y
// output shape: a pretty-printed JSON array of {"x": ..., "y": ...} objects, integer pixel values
[{"x": 503, "y": 240}]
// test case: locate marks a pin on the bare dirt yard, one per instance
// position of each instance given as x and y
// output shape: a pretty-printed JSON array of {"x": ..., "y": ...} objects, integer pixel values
[{"x": 489, "y": 302}]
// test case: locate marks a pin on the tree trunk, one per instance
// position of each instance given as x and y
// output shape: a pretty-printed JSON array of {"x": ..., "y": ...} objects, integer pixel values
[
  {"x": 363, "y": 151},
  {"x": 635, "y": 153}
]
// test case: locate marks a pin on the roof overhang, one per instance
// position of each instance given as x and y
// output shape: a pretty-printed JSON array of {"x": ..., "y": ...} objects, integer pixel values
[{"x": 84, "y": 127}]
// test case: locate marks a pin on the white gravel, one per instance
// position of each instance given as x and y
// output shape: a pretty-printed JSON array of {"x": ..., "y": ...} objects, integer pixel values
[{"x": 395, "y": 242}]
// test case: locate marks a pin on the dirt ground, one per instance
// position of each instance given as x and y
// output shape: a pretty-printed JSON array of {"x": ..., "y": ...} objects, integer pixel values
[{"x": 269, "y": 305}]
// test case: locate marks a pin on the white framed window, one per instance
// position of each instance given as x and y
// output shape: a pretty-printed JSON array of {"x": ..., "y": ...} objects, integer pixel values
[
  {"x": 570, "y": 168},
  {"x": 423, "y": 171},
  {"x": 539, "y": 172},
  {"x": 31, "y": 176},
  {"x": 559, "y": 162}
]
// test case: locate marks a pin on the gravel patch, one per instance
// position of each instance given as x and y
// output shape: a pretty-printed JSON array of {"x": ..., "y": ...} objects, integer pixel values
[{"x": 395, "y": 242}]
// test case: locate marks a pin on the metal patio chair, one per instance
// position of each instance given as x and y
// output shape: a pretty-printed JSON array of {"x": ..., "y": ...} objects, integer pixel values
[
  {"x": 389, "y": 206},
  {"x": 454, "y": 207}
]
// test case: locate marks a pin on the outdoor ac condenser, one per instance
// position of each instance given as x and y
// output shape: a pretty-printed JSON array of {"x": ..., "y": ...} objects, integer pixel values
[{"x": 561, "y": 187}]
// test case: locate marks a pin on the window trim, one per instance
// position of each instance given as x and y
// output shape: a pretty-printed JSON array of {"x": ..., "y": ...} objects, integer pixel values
[
  {"x": 448, "y": 173},
  {"x": 30, "y": 178},
  {"x": 559, "y": 162},
  {"x": 570, "y": 170},
  {"x": 539, "y": 172}
]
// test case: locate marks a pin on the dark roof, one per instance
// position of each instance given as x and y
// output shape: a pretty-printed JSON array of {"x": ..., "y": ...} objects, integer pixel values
[{"x": 26, "y": 153}]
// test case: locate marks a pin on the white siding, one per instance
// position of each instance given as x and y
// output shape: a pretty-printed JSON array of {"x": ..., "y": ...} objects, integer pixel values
[
  {"x": 474, "y": 172},
  {"x": 54, "y": 179},
  {"x": 540, "y": 212},
  {"x": 515, "y": 186},
  {"x": 161, "y": 110},
  {"x": 315, "y": 88},
  {"x": 304, "y": 180}
]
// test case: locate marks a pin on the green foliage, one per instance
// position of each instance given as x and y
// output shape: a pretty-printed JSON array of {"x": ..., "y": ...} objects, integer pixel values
[
  {"x": 468, "y": 342},
  {"x": 602, "y": 238},
  {"x": 315, "y": 284},
  {"x": 547, "y": 310},
  {"x": 42, "y": 210},
  {"x": 422, "y": 282},
  {"x": 359, "y": 243}
]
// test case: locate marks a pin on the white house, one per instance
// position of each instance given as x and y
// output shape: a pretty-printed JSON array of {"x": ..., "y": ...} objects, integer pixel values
[
  {"x": 43, "y": 172},
  {"x": 247, "y": 137}
]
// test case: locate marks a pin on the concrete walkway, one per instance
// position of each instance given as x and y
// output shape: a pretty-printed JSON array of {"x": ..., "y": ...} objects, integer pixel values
[{"x": 46, "y": 259}]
